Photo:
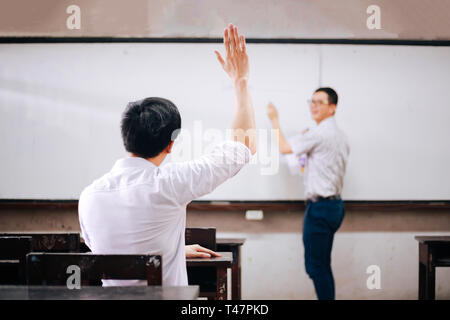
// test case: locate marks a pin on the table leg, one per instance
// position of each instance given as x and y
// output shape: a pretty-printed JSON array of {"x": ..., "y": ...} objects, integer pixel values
[
  {"x": 423, "y": 258},
  {"x": 236, "y": 274},
  {"x": 234, "y": 282},
  {"x": 422, "y": 280},
  {"x": 430, "y": 282},
  {"x": 221, "y": 292},
  {"x": 427, "y": 274}
]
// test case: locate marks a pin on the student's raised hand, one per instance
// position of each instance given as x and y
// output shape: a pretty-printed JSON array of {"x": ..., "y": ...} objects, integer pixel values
[
  {"x": 196, "y": 251},
  {"x": 236, "y": 62},
  {"x": 272, "y": 112}
]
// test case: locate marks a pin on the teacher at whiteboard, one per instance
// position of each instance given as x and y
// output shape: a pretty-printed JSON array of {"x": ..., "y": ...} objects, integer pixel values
[{"x": 326, "y": 151}]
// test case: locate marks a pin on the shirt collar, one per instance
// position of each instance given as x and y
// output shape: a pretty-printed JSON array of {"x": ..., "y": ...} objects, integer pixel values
[
  {"x": 133, "y": 162},
  {"x": 329, "y": 120}
]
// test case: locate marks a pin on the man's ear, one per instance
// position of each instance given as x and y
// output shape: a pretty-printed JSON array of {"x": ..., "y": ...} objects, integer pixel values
[
  {"x": 333, "y": 108},
  {"x": 169, "y": 147}
]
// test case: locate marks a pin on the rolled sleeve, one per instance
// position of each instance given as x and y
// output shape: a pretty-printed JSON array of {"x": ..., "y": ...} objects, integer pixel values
[
  {"x": 193, "y": 179},
  {"x": 303, "y": 143}
]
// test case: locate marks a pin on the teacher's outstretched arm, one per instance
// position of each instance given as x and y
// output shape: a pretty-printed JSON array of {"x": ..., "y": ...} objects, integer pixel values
[
  {"x": 283, "y": 144},
  {"x": 236, "y": 66}
]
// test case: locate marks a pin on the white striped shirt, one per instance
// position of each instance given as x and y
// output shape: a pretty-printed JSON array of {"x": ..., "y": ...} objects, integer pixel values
[{"x": 327, "y": 152}]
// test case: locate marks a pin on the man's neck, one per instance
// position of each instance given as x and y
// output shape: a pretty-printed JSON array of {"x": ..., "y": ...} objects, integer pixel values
[
  {"x": 319, "y": 121},
  {"x": 155, "y": 160}
]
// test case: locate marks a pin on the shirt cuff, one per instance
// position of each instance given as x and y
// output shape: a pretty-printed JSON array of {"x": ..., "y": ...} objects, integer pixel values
[{"x": 241, "y": 148}]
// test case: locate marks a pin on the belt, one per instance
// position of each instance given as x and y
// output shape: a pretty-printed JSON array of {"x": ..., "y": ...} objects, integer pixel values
[{"x": 319, "y": 198}]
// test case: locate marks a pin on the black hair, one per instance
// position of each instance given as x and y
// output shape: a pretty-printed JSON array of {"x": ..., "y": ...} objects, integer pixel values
[
  {"x": 149, "y": 125},
  {"x": 332, "y": 95}
]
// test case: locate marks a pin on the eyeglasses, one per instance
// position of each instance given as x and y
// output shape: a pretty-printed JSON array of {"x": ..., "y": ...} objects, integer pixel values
[{"x": 317, "y": 102}]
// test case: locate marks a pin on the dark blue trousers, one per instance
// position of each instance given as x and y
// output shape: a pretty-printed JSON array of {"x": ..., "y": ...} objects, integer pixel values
[{"x": 322, "y": 219}]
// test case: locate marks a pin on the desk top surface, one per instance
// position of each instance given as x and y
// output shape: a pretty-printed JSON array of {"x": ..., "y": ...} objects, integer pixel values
[
  {"x": 224, "y": 261},
  {"x": 433, "y": 239},
  {"x": 231, "y": 241},
  {"x": 38, "y": 233},
  {"x": 98, "y": 293}
]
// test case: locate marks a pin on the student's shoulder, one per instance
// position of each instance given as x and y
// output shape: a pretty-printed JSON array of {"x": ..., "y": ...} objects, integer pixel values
[
  {"x": 92, "y": 187},
  {"x": 101, "y": 183},
  {"x": 221, "y": 151}
]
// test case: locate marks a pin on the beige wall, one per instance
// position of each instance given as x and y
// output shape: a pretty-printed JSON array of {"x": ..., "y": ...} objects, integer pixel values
[
  {"x": 402, "y": 19},
  {"x": 272, "y": 257}
]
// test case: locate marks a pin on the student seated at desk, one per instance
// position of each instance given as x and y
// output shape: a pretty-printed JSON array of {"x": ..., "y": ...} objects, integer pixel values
[{"x": 140, "y": 206}]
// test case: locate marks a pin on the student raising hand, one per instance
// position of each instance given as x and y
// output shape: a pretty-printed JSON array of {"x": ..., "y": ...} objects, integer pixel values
[
  {"x": 160, "y": 192},
  {"x": 236, "y": 62},
  {"x": 236, "y": 65}
]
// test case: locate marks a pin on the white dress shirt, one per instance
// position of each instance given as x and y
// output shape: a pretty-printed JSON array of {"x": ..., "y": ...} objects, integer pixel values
[
  {"x": 327, "y": 152},
  {"x": 139, "y": 208}
]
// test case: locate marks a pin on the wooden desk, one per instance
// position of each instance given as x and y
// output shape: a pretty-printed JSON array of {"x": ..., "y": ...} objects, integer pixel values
[
  {"x": 434, "y": 251},
  {"x": 50, "y": 241},
  {"x": 13, "y": 251},
  {"x": 98, "y": 293},
  {"x": 220, "y": 264},
  {"x": 233, "y": 245}
]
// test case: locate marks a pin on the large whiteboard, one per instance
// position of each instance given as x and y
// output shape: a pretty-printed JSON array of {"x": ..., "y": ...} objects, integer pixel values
[{"x": 61, "y": 104}]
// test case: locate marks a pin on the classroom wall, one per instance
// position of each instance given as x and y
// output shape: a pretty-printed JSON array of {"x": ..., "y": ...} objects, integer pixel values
[
  {"x": 345, "y": 19},
  {"x": 272, "y": 257}
]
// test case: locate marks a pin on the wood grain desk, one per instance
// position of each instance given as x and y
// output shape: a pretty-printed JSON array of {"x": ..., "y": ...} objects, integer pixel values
[
  {"x": 234, "y": 245},
  {"x": 98, "y": 293},
  {"x": 220, "y": 264},
  {"x": 50, "y": 241},
  {"x": 434, "y": 251}
]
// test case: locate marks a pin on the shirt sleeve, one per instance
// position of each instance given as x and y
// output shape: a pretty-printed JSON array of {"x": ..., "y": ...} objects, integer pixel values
[
  {"x": 304, "y": 143},
  {"x": 193, "y": 179},
  {"x": 293, "y": 164}
]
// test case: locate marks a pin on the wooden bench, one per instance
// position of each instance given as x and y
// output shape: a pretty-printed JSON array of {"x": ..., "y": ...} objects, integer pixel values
[
  {"x": 98, "y": 293},
  {"x": 52, "y": 268},
  {"x": 13, "y": 269},
  {"x": 50, "y": 242},
  {"x": 13, "y": 251}
]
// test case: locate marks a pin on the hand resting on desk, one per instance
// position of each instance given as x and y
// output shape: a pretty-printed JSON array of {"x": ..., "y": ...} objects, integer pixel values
[{"x": 196, "y": 251}]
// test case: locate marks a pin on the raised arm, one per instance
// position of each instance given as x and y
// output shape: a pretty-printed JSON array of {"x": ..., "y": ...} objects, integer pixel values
[
  {"x": 283, "y": 144},
  {"x": 237, "y": 67}
]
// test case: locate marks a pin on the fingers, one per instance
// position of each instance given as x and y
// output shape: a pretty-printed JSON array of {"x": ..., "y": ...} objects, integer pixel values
[
  {"x": 271, "y": 106},
  {"x": 271, "y": 111},
  {"x": 210, "y": 252},
  {"x": 226, "y": 42},
  {"x": 202, "y": 255},
  {"x": 234, "y": 39},
  {"x": 215, "y": 254},
  {"x": 219, "y": 57},
  {"x": 243, "y": 45},
  {"x": 231, "y": 39},
  {"x": 234, "y": 44},
  {"x": 204, "y": 252}
]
